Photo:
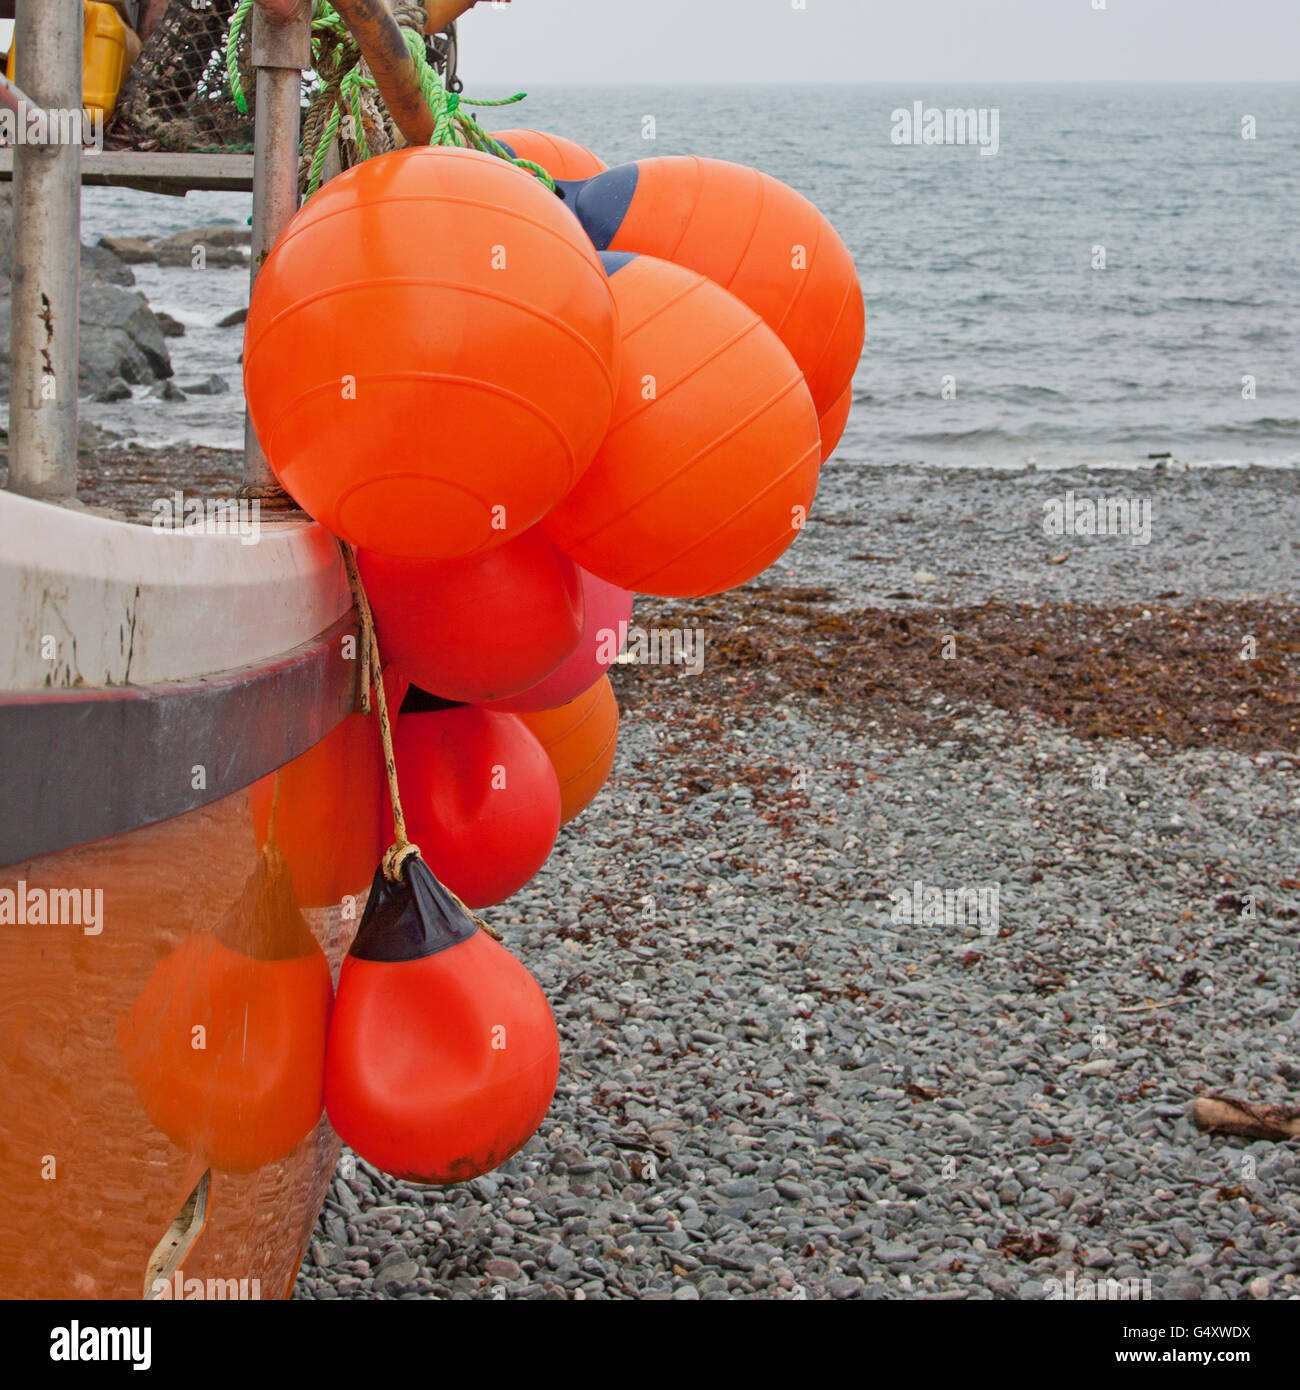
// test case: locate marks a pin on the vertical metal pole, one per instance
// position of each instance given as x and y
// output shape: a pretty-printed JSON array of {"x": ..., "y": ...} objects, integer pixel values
[
  {"x": 46, "y": 253},
  {"x": 280, "y": 51}
]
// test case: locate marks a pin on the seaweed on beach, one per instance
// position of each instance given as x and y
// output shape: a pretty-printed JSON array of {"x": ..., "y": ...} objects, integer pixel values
[
  {"x": 1206, "y": 673},
  {"x": 129, "y": 480}
]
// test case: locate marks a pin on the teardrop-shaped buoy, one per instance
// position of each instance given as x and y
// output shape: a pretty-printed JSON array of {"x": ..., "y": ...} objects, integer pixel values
[
  {"x": 443, "y": 1054},
  {"x": 225, "y": 1044}
]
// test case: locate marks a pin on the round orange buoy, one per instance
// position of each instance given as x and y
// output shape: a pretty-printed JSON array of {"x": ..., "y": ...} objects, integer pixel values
[
  {"x": 481, "y": 799},
  {"x": 225, "y": 1044},
  {"x": 607, "y": 612},
  {"x": 561, "y": 158},
  {"x": 751, "y": 234},
  {"x": 443, "y": 1054},
  {"x": 711, "y": 460},
  {"x": 481, "y": 628},
  {"x": 580, "y": 739},
  {"x": 833, "y": 422},
  {"x": 429, "y": 353},
  {"x": 330, "y": 855}
]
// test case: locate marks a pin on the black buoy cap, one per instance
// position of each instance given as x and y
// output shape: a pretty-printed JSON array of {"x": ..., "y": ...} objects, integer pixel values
[
  {"x": 419, "y": 701},
  {"x": 411, "y": 920}
]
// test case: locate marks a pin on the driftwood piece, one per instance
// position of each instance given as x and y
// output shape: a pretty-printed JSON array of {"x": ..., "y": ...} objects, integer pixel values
[{"x": 1226, "y": 1115}]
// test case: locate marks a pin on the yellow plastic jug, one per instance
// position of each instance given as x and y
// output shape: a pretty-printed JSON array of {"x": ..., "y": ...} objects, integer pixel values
[{"x": 111, "y": 46}]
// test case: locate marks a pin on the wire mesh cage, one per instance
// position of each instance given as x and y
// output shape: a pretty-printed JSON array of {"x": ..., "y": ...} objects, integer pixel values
[
  {"x": 180, "y": 94},
  {"x": 177, "y": 94}
]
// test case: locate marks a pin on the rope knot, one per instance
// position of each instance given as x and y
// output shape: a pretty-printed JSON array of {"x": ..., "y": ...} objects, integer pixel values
[{"x": 395, "y": 858}]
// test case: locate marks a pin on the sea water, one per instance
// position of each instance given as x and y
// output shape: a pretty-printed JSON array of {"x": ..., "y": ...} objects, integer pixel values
[{"x": 1118, "y": 278}]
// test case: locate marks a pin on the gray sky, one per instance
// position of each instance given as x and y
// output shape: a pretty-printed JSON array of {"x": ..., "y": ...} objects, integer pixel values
[{"x": 880, "y": 41}]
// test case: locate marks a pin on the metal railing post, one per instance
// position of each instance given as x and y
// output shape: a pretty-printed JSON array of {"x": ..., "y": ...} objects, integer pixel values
[
  {"x": 281, "y": 49},
  {"x": 46, "y": 254}
]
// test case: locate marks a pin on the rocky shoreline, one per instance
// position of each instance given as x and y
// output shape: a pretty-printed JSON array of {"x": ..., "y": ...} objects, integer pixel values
[
  {"x": 772, "y": 1085},
  {"x": 122, "y": 341},
  {"x": 779, "y": 1081}
]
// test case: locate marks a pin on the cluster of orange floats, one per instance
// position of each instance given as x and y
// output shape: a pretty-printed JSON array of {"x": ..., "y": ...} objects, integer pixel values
[{"x": 521, "y": 405}]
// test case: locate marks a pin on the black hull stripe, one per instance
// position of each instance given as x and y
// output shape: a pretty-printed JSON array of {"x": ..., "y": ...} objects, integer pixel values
[{"x": 82, "y": 764}]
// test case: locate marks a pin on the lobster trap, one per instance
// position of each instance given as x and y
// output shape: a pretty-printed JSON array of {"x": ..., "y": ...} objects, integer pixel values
[{"x": 192, "y": 89}]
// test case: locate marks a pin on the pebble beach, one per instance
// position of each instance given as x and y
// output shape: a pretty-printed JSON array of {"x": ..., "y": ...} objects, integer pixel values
[{"x": 776, "y": 1081}]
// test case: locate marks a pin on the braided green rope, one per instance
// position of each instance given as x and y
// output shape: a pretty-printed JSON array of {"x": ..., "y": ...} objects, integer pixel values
[
  {"x": 323, "y": 149},
  {"x": 336, "y": 60},
  {"x": 480, "y": 139},
  {"x": 233, "y": 35}
]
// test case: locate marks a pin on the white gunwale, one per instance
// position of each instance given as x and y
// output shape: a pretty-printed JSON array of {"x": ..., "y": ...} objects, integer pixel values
[{"x": 128, "y": 604}]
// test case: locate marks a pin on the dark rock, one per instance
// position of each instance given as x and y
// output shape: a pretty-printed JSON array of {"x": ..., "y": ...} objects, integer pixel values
[
  {"x": 221, "y": 246},
  {"x": 130, "y": 250},
  {"x": 172, "y": 328},
  {"x": 92, "y": 437},
  {"x": 213, "y": 257},
  {"x": 213, "y": 385},
  {"x": 120, "y": 337},
  {"x": 233, "y": 319},
  {"x": 167, "y": 391},
  {"x": 218, "y": 235},
  {"x": 101, "y": 259},
  {"x": 401, "y": 1272},
  {"x": 116, "y": 390}
]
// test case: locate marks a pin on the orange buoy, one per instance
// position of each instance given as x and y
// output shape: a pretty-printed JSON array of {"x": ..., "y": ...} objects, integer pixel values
[
  {"x": 481, "y": 799},
  {"x": 607, "y": 612},
  {"x": 328, "y": 808},
  {"x": 429, "y": 353},
  {"x": 481, "y": 628},
  {"x": 751, "y": 234},
  {"x": 561, "y": 158},
  {"x": 580, "y": 739},
  {"x": 443, "y": 1054},
  {"x": 712, "y": 455},
  {"x": 225, "y": 1044},
  {"x": 833, "y": 422}
]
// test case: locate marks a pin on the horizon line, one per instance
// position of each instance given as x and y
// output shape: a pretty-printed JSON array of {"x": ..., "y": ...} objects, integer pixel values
[{"x": 932, "y": 81}]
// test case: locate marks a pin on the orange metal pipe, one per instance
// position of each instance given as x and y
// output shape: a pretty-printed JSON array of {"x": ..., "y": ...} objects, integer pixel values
[
  {"x": 381, "y": 43},
  {"x": 444, "y": 12}
]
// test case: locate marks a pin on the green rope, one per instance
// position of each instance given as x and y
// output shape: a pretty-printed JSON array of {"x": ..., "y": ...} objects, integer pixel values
[
  {"x": 323, "y": 149},
  {"x": 336, "y": 62},
  {"x": 500, "y": 101},
  {"x": 233, "y": 35}
]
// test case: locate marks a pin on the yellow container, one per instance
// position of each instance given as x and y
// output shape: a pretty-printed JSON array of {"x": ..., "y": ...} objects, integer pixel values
[{"x": 110, "y": 48}]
